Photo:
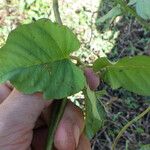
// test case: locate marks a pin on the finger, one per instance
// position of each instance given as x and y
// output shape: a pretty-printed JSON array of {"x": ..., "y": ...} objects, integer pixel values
[
  {"x": 92, "y": 79},
  {"x": 70, "y": 128},
  {"x": 40, "y": 136},
  {"x": 23, "y": 107},
  {"x": 18, "y": 114},
  {"x": 84, "y": 143},
  {"x": 4, "y": 92}
]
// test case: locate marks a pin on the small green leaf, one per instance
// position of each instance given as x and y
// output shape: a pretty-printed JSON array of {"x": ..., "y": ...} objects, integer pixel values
[
  {"x": 101, "y": 63},
  {"x": 95, "y": 113},
  {"x": 112, "y": 14},
  {"x": 130, "y": 73},
  {"x": 143, "y": 8},
  {"x": 35, "y": 59}
]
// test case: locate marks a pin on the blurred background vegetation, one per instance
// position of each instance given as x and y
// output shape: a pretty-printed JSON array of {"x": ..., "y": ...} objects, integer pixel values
[{"x": 114, "y": 36}]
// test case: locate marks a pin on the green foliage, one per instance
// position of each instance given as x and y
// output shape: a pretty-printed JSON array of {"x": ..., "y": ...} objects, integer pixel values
[
  {"x": 101, "y": 63},
  {"x": 143, "y": 9},
  {"x": 131, "y": 103},
  {"x": 95, "y": 113},
  {"x": 36, "y": 58},
  {"x": 112, "y": 14},
  {"x": 132, "y": 2},
  {"x": 140, "y": 9},
  {"x": 145, "y": 147},
  {"x": 130, "y": 73}
]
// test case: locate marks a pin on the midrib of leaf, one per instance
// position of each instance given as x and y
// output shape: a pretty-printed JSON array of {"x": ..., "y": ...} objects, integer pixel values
[
  {"x": 49, "y": 35},
  {"x": 31, "y": 66},
  {"x": 50, "y": 58},
  {"x": 36, "y": 44}
]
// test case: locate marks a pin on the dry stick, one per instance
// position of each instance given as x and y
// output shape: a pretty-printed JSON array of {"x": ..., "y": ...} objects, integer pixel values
[
  {"x": 127, "y": 125},
  {"x": 58, "y": 105}
]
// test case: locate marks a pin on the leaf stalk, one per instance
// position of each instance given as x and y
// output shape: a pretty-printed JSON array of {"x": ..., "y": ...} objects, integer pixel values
[{"x": 57, "y": 113}]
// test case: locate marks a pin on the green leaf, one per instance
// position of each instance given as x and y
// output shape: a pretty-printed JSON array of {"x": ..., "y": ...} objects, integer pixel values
[
  {"x": 112, "y": 14},
  {"x": 101, "y": 63},
  {"x": 35, "y": 58},
  {"x": 100, "y": 93},
  {"x": 145, "y": 147},
  {"x": 132, "y": 2},
  {"x": 143, "y": 8},
  {"x": 94, "y": 113},
  {"x": 130, "y": 73}
]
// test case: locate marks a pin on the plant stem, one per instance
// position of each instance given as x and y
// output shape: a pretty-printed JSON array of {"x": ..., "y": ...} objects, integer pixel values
[
  {"x": 56, "y": 11},
  {"x": 127, "y": 125},
  {"x": 79, "y": 62},
  {"x": 57, "y": 113},
  {"x": 58, "y": 105}
]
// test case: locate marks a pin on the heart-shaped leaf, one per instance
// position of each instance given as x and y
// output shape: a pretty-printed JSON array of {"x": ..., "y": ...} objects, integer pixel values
[{"x": 36, "y": 58}]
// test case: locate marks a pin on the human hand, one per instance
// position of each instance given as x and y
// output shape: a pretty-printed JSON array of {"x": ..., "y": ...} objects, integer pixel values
[{"x": 18, "y": 117}]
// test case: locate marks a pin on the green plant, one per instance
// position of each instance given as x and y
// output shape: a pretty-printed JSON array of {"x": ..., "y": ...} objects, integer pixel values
[
  {"x": 140, "y": 9},
  {"x": 145, "y": 147},
  {"x": 44, "y": 48}
]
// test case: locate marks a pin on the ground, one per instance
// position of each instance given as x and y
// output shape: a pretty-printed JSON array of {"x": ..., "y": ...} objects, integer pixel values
[{"x": 125, "y": 37}]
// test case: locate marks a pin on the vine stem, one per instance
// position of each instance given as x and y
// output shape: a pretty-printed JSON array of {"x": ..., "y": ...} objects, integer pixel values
[
  {"x": 57, "y": 113},
  {"x": 56, "y": 11},
  {"x": 58, "y": 105},
  {"x": 79, "y": 62},
  {"x": 127, "y": 125}
]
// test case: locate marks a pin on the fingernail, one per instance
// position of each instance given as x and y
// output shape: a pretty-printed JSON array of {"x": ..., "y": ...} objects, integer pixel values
[{"x": 76, "y": 134}]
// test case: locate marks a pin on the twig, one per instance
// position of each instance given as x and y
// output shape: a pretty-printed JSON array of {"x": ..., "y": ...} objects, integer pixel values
[{"x": 127, "y": 125}]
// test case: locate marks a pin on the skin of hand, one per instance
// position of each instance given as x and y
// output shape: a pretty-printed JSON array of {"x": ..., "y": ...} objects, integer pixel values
[{"x": 23, "y": 121}]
